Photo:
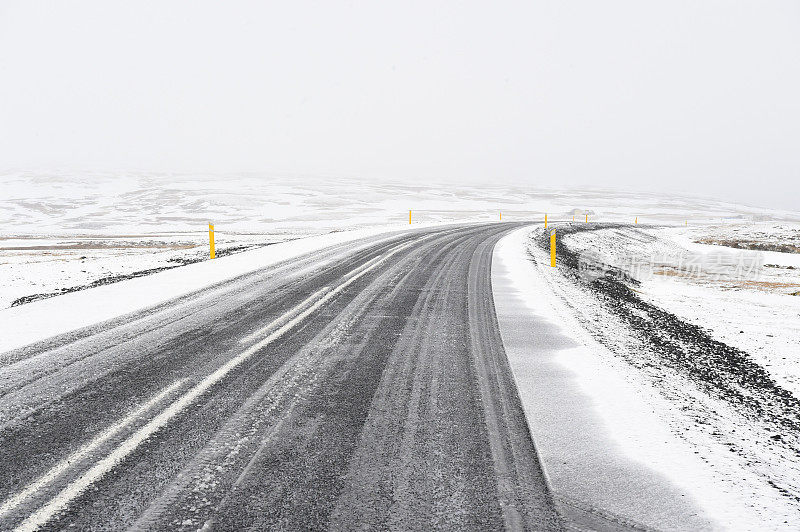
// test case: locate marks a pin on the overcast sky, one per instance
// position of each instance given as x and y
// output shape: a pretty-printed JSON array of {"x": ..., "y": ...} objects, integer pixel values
[{"x": 695, "y": 96}]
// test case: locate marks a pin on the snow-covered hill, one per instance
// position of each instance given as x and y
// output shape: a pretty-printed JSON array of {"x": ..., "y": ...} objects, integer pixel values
[{"x": 66, "y": 231}]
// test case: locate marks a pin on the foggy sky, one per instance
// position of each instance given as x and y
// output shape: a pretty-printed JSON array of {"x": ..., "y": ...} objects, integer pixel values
[{"x": 691, "y": 96}]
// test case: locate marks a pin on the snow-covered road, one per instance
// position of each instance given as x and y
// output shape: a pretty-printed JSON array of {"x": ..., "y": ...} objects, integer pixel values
[{"x": 364, "y": 385}]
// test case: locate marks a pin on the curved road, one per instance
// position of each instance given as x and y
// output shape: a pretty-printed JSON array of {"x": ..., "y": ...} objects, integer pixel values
[{"x": 363, "y": 386}]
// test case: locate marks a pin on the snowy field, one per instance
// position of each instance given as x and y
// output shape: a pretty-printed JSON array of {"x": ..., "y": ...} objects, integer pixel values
[
  {"x": 708, "y": 338},
  {"x": 37, "y": 267},
  {"x": 62, "y": 232},
  {"x": 745, "y": 298}
]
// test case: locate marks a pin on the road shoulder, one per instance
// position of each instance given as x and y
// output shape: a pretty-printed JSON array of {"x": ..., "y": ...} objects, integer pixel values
[{"x": 604, "y": 453}]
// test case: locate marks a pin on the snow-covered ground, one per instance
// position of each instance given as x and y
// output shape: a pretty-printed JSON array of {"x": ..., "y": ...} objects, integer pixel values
[
  {"x": 759, "y": 235},
  {"x": 35, "y": 267},
  {"x": 67, "y": 231},
  {"x": 141, "y": 203},
  {"x": 694, "y": 406},
  {"x": 744, "y": 298}
]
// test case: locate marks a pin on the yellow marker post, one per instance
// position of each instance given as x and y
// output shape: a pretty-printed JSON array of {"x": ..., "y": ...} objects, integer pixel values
[
  {"x": 636, "y": 221},
  {"x": 545, "y": 220},
  {"x": 409, "y": 217},
  {"x": 573, "y": 217},
  {"x": 211, "y": 239},
  {"x": 553, "y": 248},
  {"x": 501, "y": 216},
  {"x": 587, "y": 218}
]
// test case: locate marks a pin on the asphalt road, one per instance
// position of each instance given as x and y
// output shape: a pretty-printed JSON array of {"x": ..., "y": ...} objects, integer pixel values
[{"x": 364, "y": 387}]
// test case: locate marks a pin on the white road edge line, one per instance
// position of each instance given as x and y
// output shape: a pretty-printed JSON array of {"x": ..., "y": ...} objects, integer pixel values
[
  {"x": 84, "y": 451},
  {"x": 78, "y": 486}
]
